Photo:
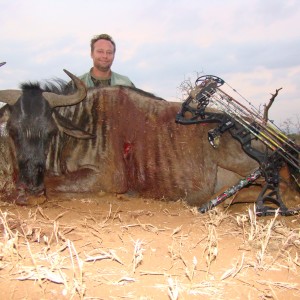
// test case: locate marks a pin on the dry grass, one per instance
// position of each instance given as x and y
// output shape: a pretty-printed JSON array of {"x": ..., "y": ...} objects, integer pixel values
[{"x": 46, "y": 248}]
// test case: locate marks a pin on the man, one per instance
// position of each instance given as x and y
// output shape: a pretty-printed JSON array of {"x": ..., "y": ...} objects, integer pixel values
[{"x": 103, "y": 49}]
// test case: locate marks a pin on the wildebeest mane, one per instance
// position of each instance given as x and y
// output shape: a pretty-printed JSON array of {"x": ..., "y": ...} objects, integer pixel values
[
  {"x": 135, "y": 89},
  {"x": 25, "y": 86},
  {"x": 57, "y": 86},
  {"x": 62, "y": 87},
  {"x": 144, "y": 93}
]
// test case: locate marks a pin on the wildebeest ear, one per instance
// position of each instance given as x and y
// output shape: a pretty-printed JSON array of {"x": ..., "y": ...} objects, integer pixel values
[
  {"x": 69, "y": 128},
  {"x": 4, "y": 114}
]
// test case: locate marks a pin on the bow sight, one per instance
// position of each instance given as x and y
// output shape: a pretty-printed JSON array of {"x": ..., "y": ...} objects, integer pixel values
[{"x": 245, "y": 125}]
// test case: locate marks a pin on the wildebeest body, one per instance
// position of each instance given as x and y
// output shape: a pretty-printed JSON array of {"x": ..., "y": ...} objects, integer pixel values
[{"x": 139, "y": 148}]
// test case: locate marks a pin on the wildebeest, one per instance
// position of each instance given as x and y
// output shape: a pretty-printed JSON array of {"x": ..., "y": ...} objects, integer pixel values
[
  {"x": 139, "y": 149},
  {"x": 32, "y": 121}
]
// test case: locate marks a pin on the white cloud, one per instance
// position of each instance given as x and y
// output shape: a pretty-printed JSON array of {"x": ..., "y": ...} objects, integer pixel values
[{"x": 252, "y": 44}]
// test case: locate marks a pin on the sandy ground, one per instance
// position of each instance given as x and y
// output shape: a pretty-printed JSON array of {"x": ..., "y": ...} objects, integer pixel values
[{"x": 103, "y": 246}]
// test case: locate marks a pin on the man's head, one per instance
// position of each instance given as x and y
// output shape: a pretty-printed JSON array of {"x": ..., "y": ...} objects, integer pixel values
[
  {"x": 102, "y": 36},
  {"x": 103, "y": 50}
]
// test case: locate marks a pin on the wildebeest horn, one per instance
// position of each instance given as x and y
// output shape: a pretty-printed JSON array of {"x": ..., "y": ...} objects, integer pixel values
[
  {"x": 9, "y": 96},
  {"x": 63, "y": 100}
]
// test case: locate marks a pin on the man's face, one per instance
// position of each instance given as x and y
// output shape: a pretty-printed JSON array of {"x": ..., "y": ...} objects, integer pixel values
[{"x": 103, "y": 55}]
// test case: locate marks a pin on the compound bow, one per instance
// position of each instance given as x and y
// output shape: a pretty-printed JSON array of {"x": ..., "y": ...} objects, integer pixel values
[{"x": 245, "y": 125}]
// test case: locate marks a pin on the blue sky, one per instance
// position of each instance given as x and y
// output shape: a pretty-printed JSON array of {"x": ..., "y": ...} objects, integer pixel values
[{"x": 253, "y": 45}]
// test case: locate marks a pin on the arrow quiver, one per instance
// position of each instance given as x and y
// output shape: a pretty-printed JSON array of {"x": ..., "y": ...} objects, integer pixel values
[{"x": 245, "y": 125}]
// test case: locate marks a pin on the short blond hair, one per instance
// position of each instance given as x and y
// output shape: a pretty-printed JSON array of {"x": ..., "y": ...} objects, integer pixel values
[{"x": 102, "y": 36}]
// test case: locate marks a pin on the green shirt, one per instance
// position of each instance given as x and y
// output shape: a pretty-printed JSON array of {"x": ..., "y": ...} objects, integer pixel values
[{"x": 116, "y": 79}]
